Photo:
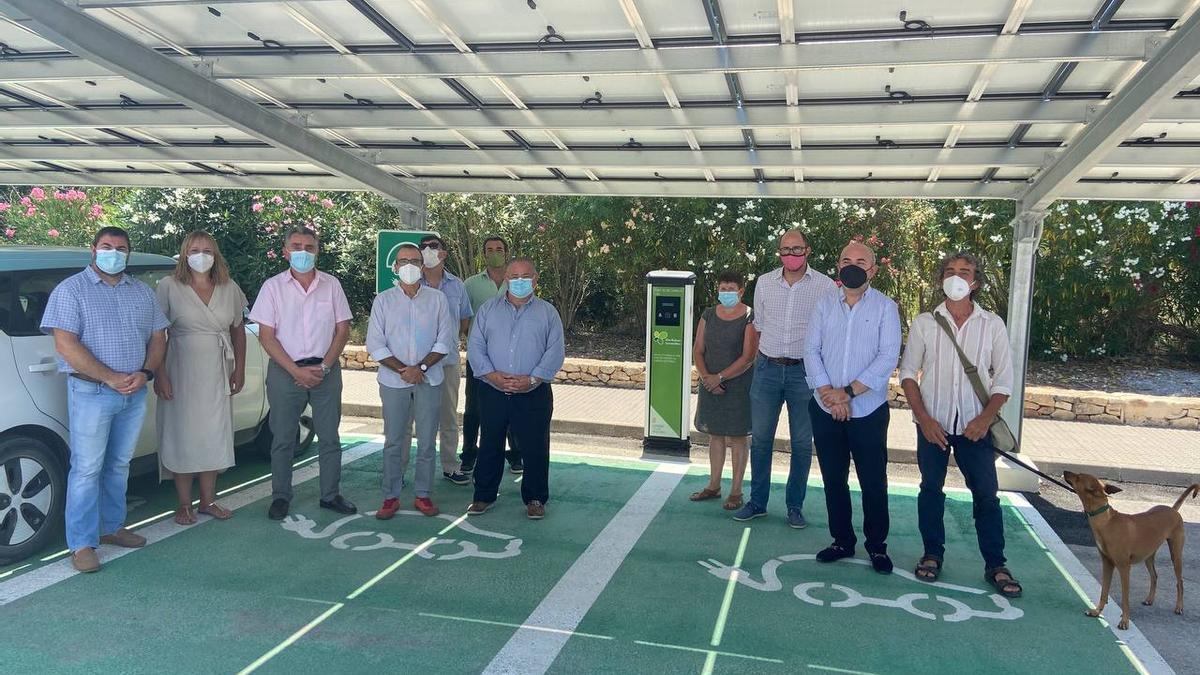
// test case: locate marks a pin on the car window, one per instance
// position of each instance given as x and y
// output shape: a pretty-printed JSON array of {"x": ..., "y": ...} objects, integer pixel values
[
  {"x": 5, "y": 300},
  {"x": 151, "y": 277},
  {"x": 29, "y": 302}
]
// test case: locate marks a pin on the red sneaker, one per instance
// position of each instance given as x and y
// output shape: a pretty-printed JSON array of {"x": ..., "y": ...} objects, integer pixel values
[
  {"x": 390, "y": 506},
  {"x": 425, "y": 505}
]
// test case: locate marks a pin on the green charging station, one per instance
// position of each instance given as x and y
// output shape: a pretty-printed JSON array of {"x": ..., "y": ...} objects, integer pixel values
[{"x": 669, "y": 298}]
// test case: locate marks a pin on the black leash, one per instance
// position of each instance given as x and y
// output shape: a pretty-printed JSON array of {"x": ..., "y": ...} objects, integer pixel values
[{"x": 1009, "y": 456}]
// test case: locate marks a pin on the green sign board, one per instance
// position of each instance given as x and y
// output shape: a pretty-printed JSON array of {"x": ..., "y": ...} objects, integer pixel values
[{"x": 385, "y": 254}]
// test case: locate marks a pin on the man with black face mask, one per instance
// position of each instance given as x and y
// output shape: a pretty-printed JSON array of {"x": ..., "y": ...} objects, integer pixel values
[{"x": 853, "y": 346}]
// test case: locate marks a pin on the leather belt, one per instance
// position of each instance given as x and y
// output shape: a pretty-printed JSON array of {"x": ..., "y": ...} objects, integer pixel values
[
  {"x": 311, "y": 361},
  {"x": 782, "y": 360},
  {"x": 85, "y": 378}
]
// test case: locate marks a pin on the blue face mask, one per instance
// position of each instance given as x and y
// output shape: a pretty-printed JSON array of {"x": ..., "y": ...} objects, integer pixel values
[
  {"x": 521, "y": 288},
  {"x": 110, "y": 260},
  {"x": 728, "y": 298},
  {"x": 302, "y": 261}
]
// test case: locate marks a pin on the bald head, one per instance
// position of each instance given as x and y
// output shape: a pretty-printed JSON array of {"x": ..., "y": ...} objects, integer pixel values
[{"x": 857, "y": 253}]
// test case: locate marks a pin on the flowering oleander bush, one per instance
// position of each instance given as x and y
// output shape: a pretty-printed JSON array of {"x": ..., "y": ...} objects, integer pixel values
[{"x": 52, "y": 217}]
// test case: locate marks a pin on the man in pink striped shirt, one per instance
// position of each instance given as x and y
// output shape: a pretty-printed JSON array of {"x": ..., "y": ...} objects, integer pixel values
[{"x": 304, "y": 322}]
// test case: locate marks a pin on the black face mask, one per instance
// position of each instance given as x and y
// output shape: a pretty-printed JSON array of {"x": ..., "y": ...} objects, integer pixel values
[{"x": 852, "y": 276}]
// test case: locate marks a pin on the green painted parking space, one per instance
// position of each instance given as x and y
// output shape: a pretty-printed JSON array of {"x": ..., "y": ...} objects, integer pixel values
[
  {"x": 672, "y": 606},
  {"x": 624, "y": 575}
]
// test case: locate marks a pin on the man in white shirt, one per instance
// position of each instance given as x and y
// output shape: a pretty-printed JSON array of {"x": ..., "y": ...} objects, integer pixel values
[
  {"x": 949, "y": 415},
  {"x": 411, "y": 330},
  {"x": 784, "y": 300}
]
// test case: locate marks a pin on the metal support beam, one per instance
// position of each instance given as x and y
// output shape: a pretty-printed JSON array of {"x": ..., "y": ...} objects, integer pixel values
[
  {"x": 1167, "y": 73},
  {"x": 693, "y": 117},
  {"x": 100, "y": 44},
  {"x": 1170, "y": 158},
  {"x": 930, "y": 51},
  {"x": 1027, "y": 234}
]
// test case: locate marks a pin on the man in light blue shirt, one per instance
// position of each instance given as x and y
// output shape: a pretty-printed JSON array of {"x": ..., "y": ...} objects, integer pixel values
[
  {"x": 516, "y": 349},
  {"x": 410, "y": 332},
  {"x": 110, "y": 336},
  {"x": 435, "y": 275},
  {"x": 852, "y": 348}
]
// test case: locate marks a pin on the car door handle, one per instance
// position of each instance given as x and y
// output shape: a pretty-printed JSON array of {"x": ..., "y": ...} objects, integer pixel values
[{"x": 43, "y": 367}]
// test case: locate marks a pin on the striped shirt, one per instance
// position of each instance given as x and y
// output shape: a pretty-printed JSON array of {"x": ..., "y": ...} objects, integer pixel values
[
  {"x": 409, "y": 329},
  {"x": 782, "y": 312},
  {"x": 854, "y": 343},
  {"x": 114, "y": 323},
  {"x": 945, "y": 389}
]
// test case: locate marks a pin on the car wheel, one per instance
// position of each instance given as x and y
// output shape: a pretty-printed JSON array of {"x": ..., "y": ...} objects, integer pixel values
[
  {"x": 304, "y": 436},
  {"x": 33, "y": 492}
]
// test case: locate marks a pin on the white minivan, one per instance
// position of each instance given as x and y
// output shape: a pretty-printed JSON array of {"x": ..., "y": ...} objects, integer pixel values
[{"x": 34, "y": 454}]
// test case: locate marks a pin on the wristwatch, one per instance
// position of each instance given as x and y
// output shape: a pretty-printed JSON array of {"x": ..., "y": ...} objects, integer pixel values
[
  {"x": 533, "y": 381},
  {"x": 849, "y": 391},
  {"x": 148, "y": 373},
  {"x": 324, "y": 368},
  {"x": 424, "y": 368}
]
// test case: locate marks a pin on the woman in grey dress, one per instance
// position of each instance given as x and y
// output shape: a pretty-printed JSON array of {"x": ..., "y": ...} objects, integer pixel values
[{"x": 724, "y": 351}]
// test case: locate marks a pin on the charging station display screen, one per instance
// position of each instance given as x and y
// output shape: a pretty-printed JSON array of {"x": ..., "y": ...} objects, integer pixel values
[{"x": 667, "y": 310}]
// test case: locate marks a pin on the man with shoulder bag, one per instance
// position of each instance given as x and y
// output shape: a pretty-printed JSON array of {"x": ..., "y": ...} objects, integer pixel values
[{"x": 962, "y": 352}]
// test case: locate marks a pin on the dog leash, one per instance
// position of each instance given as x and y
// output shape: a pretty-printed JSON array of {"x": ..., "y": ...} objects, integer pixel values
[{"x": 1012, "y": 458}]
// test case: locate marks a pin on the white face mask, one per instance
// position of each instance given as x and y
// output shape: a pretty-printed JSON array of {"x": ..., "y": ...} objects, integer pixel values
[
  {"x": 201, "y": 262},
  {"x": 956, "y": 288},
  {"x": 431, "y": 257},
  {"x": 408, "y": 274}
]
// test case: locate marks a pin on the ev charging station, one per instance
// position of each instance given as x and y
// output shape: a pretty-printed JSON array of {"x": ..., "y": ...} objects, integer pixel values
[{"x": 669, "y": 299}]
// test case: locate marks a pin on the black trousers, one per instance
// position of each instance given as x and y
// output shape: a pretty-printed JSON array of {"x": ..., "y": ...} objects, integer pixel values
[
  {"x": 470, "y": 424},
  {"x": 527, "y": 417},
  {"x": 865, "y": 441}
]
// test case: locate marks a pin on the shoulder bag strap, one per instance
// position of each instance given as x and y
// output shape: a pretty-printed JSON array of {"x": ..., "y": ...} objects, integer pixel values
[{"x": 971, "y": 370}]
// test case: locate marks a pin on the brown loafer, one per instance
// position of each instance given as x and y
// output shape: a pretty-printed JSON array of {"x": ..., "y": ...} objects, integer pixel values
[
  {"x": 535, "y": 510},
  {"x": 124, "y": 538},
  {"x": 85, "y": 560}
]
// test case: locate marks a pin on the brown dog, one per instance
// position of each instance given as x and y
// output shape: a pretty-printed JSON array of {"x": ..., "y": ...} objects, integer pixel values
[{"x": 1127, "y": 539}]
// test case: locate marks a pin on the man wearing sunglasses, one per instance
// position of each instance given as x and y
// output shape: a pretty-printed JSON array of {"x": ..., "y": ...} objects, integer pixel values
[
  {"x": 435, "y": 275},
  {"x": 784, "y": 300}
]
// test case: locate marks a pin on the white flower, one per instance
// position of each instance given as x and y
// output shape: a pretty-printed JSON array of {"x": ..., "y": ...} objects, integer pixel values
[{"x": 1063, "y": 357}]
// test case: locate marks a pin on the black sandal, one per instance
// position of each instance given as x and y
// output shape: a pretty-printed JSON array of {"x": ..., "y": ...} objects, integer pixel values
[
  {"x": 1001, "y": 585},
  {"x": 927, "y": 572}
]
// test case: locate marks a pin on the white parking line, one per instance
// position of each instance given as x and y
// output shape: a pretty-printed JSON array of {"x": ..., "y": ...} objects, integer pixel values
[
  {"x": 48, "y": 575},
  {"x": 530, "y": 651}
]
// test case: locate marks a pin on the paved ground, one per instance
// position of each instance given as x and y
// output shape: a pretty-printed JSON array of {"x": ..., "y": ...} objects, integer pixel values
[
  {"x": 625, "y": 574},
  {"x": 1138, "y": 454}
]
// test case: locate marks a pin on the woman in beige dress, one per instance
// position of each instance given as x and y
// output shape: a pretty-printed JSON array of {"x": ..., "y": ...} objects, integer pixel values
[{"x": 204, "y": 368}]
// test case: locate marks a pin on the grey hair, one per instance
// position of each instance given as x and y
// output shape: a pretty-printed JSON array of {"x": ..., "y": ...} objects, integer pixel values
[
  {"x": 300, "y": 230},
  {"x": 522, "y": 259},
  {"x": 971, "y": 259}
]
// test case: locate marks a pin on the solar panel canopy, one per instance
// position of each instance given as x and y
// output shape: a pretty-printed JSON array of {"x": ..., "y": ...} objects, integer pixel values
[{"x": 1031, "y": 100}]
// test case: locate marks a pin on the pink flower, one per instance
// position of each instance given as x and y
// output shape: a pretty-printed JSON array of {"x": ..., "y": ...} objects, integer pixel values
[
  {"x": 257, "y": 207},
  {"x": 885, "y": 260},
  {"x": 97, "y": 211},
  {"x": 327, "y": 203},
  {"x": 10, "y": 233},
  {"x": 276, "y": 200},
  {"x": 61, "y": 196},
  {"x": 38, "y": 194},
  {"x": 311, "y": 198},
  {"x": 4, "y": 206},
  {"x": 30, "y": 211},
  {"x": 271, "y": 255},
  {"x": 80, "y": 195},
  {"x": 25, "y": 201},
  {"x": 53, "y": 233},
  {"x": 541, "y": 227},
  {"x": 289, "y": 209}
]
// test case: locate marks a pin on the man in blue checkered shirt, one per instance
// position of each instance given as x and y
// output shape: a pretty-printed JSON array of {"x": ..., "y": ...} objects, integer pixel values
[{"x": 110, "y": 336}]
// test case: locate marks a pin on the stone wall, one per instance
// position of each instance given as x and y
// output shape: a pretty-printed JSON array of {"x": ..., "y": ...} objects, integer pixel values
[{"x": 1041, "y": 402}]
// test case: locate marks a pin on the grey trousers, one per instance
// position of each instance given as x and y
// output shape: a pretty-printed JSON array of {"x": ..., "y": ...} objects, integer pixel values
[
  {"x": 447, "y": 420},
  {"x": 400, "y": 408},
  {"x": 287, "y": 401}
]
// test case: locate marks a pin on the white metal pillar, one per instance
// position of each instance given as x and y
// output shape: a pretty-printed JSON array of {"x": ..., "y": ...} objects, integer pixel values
[{"x": 1027, "y": 234}]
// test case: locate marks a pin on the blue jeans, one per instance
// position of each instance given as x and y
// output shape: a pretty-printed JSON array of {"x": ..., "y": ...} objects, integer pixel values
[
  {"x": 773, "y": 386},
  {"x": 977, "y": 461},
  {"x": 104, "y": 429}
]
